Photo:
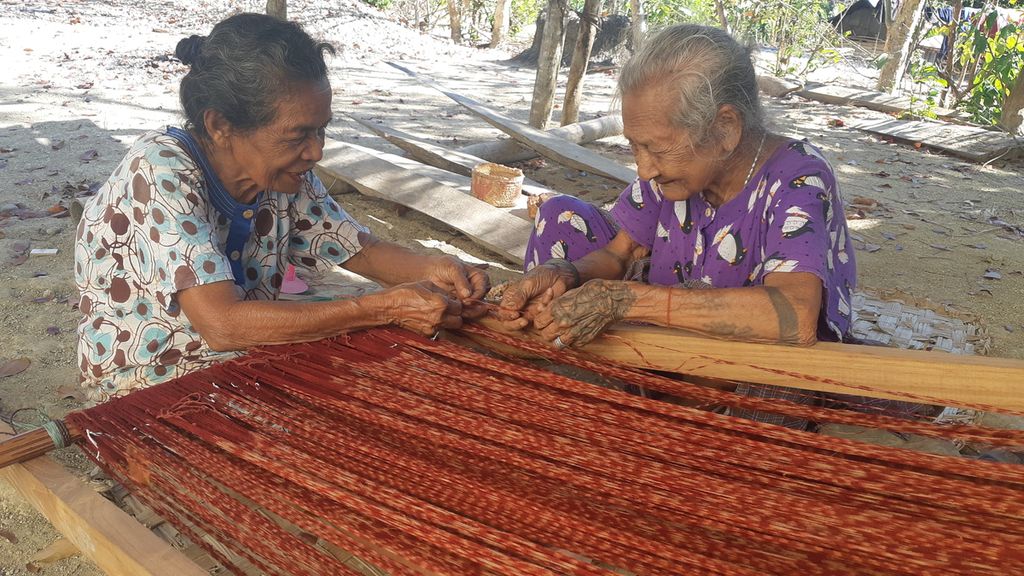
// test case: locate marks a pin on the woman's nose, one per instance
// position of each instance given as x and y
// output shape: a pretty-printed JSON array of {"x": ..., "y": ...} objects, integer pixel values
[
  {"x": 646, "y": 167},
  {"x": 314, "y": 152}
]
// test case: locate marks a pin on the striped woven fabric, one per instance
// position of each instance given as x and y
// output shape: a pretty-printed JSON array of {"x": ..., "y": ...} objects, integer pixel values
[{"x": 424, "y": 457}]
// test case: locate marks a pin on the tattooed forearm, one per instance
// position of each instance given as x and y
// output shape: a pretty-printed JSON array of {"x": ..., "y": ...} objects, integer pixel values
[
  {"x": 788, "y": 323},
  {"x": 730, "y": 331},
  {"x": 593, "y": 306}
]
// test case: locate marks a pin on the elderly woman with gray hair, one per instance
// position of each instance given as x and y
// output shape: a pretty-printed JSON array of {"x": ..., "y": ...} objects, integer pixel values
[
  {"x": 181, "y": 254},
  {"x": 721, "y": 203}
]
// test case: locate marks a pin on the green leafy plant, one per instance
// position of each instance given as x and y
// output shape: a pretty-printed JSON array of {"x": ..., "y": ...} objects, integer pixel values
[
  {"x": 799, "y": 29},
  {"x": 379, "y": 4},
  {"x": 992, "y": 64},
  {"x": 524, "y": 13}
]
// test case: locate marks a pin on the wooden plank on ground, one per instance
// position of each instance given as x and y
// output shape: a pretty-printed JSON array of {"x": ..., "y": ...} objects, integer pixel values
[
  {"x": 871, "y": 99},
  {"x": 545, "y": 144},
  {"x": 776, "y": 87},
  {"x": 549, "y": 146},
  {"x": 457, "y": 181},
  {"x": 504, "y": 151},
  {"x": 101, "y": 531},
  {"x": 970, "y": 142},
  {"x": 488, "y": 226},
  {"x": 446, "y": 177},
  {"x": 438, "y": 156}
]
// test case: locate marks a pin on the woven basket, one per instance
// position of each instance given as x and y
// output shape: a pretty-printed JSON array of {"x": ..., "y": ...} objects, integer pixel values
[{"x": 496, "y": 184}]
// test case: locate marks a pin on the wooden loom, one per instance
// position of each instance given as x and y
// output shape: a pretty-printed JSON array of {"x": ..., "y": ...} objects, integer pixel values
[{"x": 120, "y": 546}]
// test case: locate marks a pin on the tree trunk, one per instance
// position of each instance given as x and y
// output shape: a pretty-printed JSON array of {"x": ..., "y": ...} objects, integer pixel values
[
  {"x": 1010, "y": 117},
  {"x": 638, "y": 19},
  {"x": 580, "y": 59},
  {"x": 548, "y": 63},
  {"x": 502, "y": 11},
  {"x": 954, "y": 28},
  {"x": 454, "y": 21},
  {"x": 277, "y": 9},
  {"x": 720, "y": 7},
  {"x": 899, "y": 44}
]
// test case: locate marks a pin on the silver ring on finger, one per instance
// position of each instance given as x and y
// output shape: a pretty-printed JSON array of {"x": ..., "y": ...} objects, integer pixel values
[
  {"x": 558, "y": 342},
  {"x": 436, "y": 334}
]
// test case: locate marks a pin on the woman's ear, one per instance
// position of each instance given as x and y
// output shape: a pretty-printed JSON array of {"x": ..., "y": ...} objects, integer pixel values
[
  {"x": 217, "y": 126},
  {"x": 728, "y": 128}
]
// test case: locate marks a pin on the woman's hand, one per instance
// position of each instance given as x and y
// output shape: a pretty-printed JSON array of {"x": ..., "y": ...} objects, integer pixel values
[
  {"x": 578, "y": 316},
  {"x": 422, "y": 307},
  {"x": 461, "y": 281},
  {"x": 524, "y": 300}
]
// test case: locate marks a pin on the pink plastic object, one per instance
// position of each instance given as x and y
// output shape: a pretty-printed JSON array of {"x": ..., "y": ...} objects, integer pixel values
[{"x": 292, "y": 284}]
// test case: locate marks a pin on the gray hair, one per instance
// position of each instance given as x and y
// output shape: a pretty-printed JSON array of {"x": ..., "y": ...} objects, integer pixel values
[
  {"x": 244, "y": 67},
  {"x": 707, "y": 67}
]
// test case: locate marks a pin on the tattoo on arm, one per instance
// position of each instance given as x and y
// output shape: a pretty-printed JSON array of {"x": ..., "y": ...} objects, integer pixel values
[
  {"x": 730, "y": 331},
  {"x": 788, "y": 323},
  {"x": 593, "y": 306}
]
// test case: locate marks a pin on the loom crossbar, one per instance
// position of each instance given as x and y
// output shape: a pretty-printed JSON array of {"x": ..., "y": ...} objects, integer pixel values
[{"x": 102, "y": 532}]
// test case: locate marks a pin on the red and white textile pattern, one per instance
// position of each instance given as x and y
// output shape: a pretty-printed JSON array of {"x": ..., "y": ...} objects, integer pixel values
[{"x": 424, "y": 457}]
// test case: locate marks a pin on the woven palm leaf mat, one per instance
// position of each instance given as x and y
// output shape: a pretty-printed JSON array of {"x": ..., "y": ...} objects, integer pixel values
[
  {"x": 888, "y": 318},
  {"x": 895, "y": 319}
]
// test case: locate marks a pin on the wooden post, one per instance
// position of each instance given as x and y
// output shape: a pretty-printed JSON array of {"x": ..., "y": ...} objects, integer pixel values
[
  {"x": 502, "y": 12},
  {"x": 548, "y": 62},
  {"x": 899, "y": 44},
  {"x": 638, "y": 23},
  {"x": 580, "y": 60},
  {"x": 454, "y": 21},
  {"x": 277, "y": 9}
]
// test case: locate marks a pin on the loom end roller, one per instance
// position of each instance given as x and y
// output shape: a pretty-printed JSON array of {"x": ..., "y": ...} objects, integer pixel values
[{"x": 37, "y": 442}]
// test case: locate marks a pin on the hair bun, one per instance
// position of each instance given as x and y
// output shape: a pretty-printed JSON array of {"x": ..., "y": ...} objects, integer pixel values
[{"x": 188, "y": 49}]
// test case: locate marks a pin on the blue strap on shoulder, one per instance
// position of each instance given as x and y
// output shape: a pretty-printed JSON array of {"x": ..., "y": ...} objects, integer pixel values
[{"x": 239, "y": 216}]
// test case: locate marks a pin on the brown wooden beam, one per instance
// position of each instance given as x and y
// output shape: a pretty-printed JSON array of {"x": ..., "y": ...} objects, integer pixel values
[
  {"x": 940, "y": 377},
  {"x": 101, "y": 531}
]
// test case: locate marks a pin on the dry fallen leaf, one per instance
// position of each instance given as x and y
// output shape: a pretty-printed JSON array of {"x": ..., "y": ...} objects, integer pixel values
[
  {"x": 71, "y": 391},
  {"x": 12, "y": 367}
]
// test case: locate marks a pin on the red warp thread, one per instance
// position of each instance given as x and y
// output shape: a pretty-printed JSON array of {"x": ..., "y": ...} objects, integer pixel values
[{"x": 424, "y": 457}]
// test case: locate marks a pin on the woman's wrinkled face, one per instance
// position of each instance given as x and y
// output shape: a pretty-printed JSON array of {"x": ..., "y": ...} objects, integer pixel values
[
  {"x": 275, "y": 156},
  {"x": 663, "y": 152}
]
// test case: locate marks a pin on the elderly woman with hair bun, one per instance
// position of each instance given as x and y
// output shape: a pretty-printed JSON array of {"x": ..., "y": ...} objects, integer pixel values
[
  {"x": 181, "y": 254},
  {"x": 740, "y": 233}
]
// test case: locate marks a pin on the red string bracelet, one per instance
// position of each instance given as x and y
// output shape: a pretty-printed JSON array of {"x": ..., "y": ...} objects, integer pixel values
[{"x": 668, "y": 309}]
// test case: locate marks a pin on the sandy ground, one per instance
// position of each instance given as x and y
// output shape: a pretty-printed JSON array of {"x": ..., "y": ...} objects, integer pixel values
[{"x": 82, "y": 80}]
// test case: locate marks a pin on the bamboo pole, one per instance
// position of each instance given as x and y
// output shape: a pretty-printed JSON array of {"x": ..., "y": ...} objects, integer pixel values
[{"x": 32, "y": 444}]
